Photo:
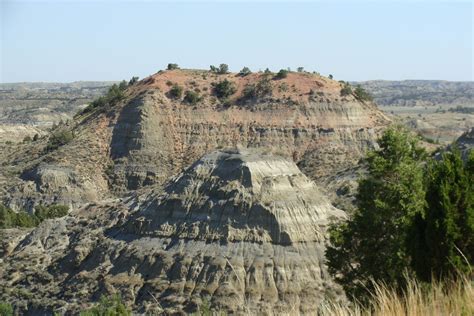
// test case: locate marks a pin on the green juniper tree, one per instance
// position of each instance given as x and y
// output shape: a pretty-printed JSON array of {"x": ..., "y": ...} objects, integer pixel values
[
  {"x": 443, "y": 237},
  {"x": 372, "y": 245}
]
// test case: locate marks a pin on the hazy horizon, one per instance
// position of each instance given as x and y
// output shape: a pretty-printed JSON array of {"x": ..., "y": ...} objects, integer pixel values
[{"x": 61, "y": 41}]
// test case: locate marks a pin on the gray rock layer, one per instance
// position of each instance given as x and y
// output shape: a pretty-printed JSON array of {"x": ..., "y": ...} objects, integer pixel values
[{"x": 245, "y": 230}]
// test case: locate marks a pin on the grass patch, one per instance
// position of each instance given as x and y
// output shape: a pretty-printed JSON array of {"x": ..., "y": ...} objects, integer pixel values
[{"x": 437, "y": 298}]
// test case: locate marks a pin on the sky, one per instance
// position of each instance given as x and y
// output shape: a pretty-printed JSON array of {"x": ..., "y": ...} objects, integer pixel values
[{"x": 64, "y": 41}]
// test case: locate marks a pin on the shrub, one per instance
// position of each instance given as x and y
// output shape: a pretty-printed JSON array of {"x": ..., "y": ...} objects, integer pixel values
[
  {"x": 175, "y": 92},
  {"x": 51, "y": 211},
  {"x": 250, "y": 91},
  {"x": 267, "y": 71},
  {"x": 283, "y": 87},
  {"x": 172, "y": 66},
  {"x": 27, "y": 139},
  {"x": 300, "y": 69},
  {"x": 6, "y": 309},
  {"x": 346, "y": 89},
  {"x": 283, "y": 73},
  {"x": 122, "y": 86},
  {"x": 114, "y": 94},
  {"x": 9, "y": 218},
  {"x": 262, "y": 88},
  {"x": 330, "y": 76},
  {"x": 222, "y": 69},
  {"x": 133, "y": 81},
  {"x": 361, "y": 94},
  {"x": 108, "y": 306},
  {"x": 224, "y": 89},
  {"x": 58, "y": 139},
  {"x": 244, "y": 72},
  {"x": 191, "y": 97},
  {"x": 36, "y": 137}
]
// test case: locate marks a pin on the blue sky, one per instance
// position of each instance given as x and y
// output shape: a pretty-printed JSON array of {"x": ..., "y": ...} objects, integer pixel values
[{"x": 353, "y": 40}]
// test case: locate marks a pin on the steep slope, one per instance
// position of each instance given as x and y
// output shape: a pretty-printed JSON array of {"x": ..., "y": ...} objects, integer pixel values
[
  {"x": 151, "y": 134},
  {"x": 244, "y": 229}
]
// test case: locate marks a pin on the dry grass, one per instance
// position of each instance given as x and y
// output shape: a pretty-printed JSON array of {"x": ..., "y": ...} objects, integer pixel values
[{"x": 448, "y": 298}]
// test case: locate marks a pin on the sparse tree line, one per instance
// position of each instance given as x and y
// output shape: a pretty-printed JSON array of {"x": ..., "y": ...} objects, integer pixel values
[
  {"x": 225, "y": 88},
  {"x": 414, "y": 219},
  {"x": 222, "y": 90},
  {"x": 115, "y": 93}
]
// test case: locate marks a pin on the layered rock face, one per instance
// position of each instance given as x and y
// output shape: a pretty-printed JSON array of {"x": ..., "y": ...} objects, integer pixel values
[
  {"x": 239, "y": 196},
  {"x": 151, "y": 135},
  {"x": 303, "y": 118},
  {"x": 243, "y": 229}
]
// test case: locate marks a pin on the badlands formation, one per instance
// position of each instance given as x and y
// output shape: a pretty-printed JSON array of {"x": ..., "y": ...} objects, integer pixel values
[{"x": 174, "y": 202}]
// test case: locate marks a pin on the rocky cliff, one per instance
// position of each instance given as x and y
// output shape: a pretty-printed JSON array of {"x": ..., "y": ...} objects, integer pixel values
[
  {"x": 243, "y": 229},
  {"x": 152, "y": 134}
]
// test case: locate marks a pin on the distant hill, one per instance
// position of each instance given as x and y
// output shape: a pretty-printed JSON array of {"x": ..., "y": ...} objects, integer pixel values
[
  {"x": 43, "y": 104},
  {"x": 420, "y": 92}
]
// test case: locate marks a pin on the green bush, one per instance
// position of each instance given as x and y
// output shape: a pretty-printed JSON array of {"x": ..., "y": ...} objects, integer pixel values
[
  {"x": 245, "y": 71},
  {"x": 254, "y": 91},
  {"x": 415, "y": 216},
  {"x": 172, "y": 66},
  {"x": 191, "y": 97},
  {"x": 108, "y": 306},
  {"x": 250, "y": 91},
  {"x": 133, "y": 81},
  {"x": 361, "y": 94},
  {"x": 222, "y": 69},
  {"x": 52, "y": 211},
  {"x": 442, "y": 240},
  {"x": 114, "y": 94},
  {"x": 283, "y": 73},
  {"x": 58, "y": 139},
  {"x": 175, "y": 92},
  {"x": 122, "y": 86},
  {"x": 330, "y": 76},
  {"x": 346, "y": 89},
  {"x": 224, "y": 89},
  {"x": 300, "y": 69},
  {"x": 372, "y": 244},
  {"x": 9, "y": 218},
  {"x": 6, "y": 309}
]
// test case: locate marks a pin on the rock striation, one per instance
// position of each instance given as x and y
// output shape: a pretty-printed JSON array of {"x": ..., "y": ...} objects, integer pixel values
[
  {"x": 149, "y": 135},
  {"x": 243, "y": 229}
]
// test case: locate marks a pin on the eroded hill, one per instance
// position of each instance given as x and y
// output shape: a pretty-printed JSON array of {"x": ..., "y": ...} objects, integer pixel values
[
  {"x": 160, "y": 125},
  {"x": 242, "y": 229}
]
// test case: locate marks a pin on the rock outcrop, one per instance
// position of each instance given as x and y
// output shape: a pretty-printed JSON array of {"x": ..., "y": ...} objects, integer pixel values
[
  {"x": 149, "y": 135},
  {"x": 243, "y": 229}
]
